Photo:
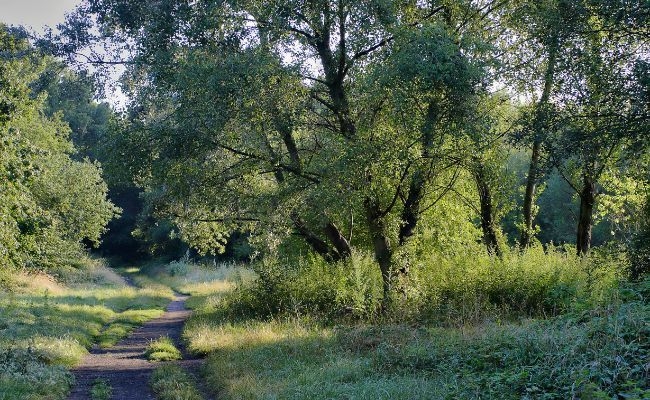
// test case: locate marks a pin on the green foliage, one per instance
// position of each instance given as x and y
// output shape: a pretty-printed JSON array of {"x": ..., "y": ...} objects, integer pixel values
[
  {"x": 101, "y": 390},
  {"x": 50, "y": 203},
  {"x": 466, "y": 286},
  {"x": 162, "y": 349},
  {"x": 170, "y": 382}
]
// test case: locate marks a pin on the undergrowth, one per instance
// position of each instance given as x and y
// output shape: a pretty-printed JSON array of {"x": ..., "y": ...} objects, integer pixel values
[
  {"x": 448, "y": 289},
  {"x": 539, "y": 325},
  {"x": 601, "y": 352}
]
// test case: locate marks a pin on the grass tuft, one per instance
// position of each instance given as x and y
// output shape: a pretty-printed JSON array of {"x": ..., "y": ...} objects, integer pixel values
[
  {"x": 101, "y": 390},
  {"x": 162, "y": 349},
  {"x": 170, "y": 382}
]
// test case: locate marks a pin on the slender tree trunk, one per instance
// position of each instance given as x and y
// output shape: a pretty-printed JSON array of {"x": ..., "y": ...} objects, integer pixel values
[
  {"x": 585, "y": 219},
  {"x": 529, "y": 195},
  {"x": 487, "y": 212},
  {"x": 381, "y": 246},
  {"x": 533, "y": 170}
]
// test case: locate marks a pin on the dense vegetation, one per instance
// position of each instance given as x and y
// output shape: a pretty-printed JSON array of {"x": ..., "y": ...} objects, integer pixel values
[{"x": 434, "y": 199}]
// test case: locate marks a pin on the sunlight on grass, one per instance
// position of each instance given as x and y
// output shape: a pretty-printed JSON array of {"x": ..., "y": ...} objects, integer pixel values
[
  {"x": 199, "y": 279},
  {"x": 46, "y": 326},
  {"x": 170, "y": 382},
  {"x": 162, "y": 349}
]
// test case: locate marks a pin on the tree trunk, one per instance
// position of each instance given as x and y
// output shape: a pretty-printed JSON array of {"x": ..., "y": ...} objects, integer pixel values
[
  {"x": 585, "y": 219},
  {"x": 529, "y": 196},
  {"x": 317, "y": 244},
  {"x": 381, "y": 246},
  {"x": 487, "y": 212},
  {"x": 533, "y": 170},
  {"x": 339, "y": 241},
  {"x": 411, "y": 212}
]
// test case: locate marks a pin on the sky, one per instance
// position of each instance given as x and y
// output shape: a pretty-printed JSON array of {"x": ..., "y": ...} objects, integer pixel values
[{"x": 35, "y": 14}]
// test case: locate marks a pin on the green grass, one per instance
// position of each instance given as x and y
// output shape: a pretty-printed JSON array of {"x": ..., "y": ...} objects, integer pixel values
[
  {"x": 162, "y": 349},
  {"x": 576, "y": 356},
  {"x": 196, "y": 279},
  {"x": 589, "y": 338},
  {"x": 47, "y": 327},
  {"x": 170, "y": 382},
  {"x": 101, "y": 390}
]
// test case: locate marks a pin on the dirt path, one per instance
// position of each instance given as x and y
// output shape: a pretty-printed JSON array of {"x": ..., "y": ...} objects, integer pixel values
[{"x": 124, "y": 365}]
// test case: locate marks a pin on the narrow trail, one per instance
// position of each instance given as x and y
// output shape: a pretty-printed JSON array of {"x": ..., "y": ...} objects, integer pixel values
[{"x": 124, "y": 365}]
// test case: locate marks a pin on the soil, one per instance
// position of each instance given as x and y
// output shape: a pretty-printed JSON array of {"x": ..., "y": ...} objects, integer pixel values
[{"x": 124, "y": 365}]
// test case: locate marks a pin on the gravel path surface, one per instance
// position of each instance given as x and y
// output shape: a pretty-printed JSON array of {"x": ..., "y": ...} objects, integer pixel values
[{"x": 124, "y": 365}]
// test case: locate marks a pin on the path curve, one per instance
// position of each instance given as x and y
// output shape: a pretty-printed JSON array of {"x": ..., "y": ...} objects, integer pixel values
[{"x": 124, "y": 365}]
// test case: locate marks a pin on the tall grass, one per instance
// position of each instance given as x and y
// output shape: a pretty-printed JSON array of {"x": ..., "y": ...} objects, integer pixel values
[
  {"x": 449, "y": 289},
  {"x": 541, "y": 324},
  {"x": 599, "y": 352}
]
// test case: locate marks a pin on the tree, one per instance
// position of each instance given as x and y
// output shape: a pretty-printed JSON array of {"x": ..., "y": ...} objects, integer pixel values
[
  {"x": 599, "y": 120},
  {"x": 50, "y": 202},
  {"x": 537, "y": 44},
  {"x": 338, "y": 121}
]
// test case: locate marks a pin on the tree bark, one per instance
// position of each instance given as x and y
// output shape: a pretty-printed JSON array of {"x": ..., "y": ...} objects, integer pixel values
[
  {"x": 411, "y": 212},
  {"x": 533, "y": 170},
  {"x": 339, "y": 241},
  {"x": 529, "y": 195},
  {"x": 585, "y": 219},
  {"x": 486, "y": 211},
  {"x": 316, "y": 243},
  {"x": 381, "y": 245}
]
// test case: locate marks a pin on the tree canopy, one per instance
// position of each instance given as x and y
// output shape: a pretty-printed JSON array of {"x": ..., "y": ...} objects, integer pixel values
[{"x": 344, "y": 123}]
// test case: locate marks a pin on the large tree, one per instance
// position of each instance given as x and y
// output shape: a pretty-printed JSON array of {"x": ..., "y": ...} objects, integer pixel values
[
  {"x": 339, "y": 121},
  {"x": 50, "y": 203}
]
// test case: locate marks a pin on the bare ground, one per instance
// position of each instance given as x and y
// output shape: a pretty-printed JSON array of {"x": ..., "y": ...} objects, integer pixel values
[{"x": 124, "y": 365}]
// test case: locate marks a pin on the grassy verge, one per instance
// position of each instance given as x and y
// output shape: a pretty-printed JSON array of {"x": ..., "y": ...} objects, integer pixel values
[
  {"x": 47, "y": 327},
  {"x": 600, "y": 354},
  {"x": 170, "y": 382}
]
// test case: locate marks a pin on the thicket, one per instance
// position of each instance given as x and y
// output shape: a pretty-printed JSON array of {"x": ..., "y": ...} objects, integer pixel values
[{"x": 596, "y": 346}]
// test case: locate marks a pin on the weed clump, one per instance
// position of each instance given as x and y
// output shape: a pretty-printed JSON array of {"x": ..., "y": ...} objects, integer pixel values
[
  {"x": 170, "y": 382},
  {"x": 162, "y": 349}
]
